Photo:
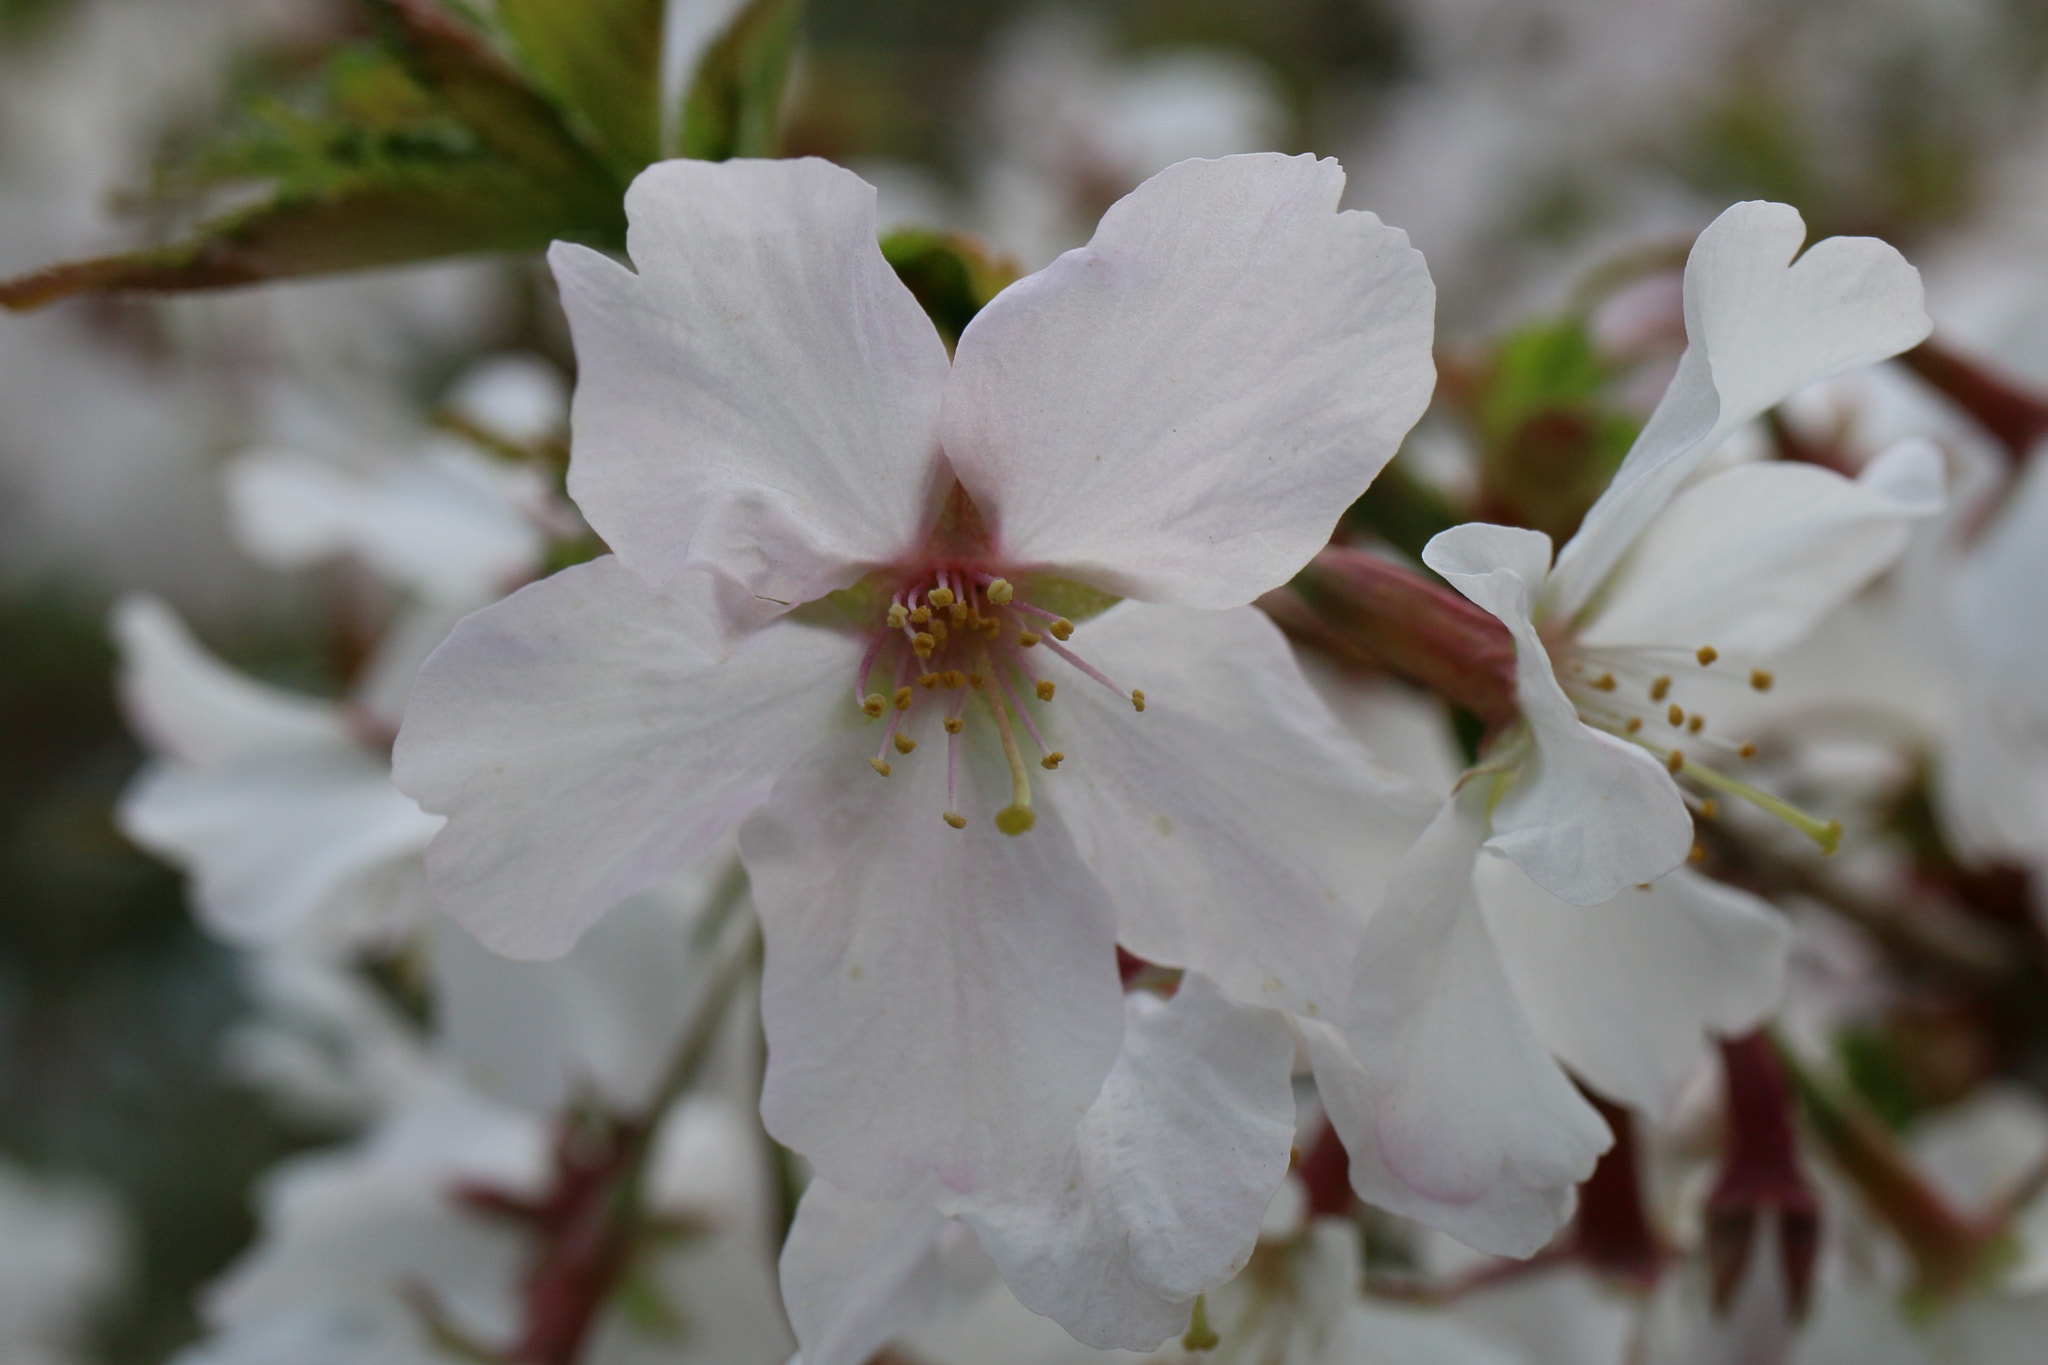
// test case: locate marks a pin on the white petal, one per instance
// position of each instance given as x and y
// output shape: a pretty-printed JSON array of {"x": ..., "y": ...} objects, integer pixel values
[
  {"x": 1457, "y": 1098},
  {"x": 189, "y": 705},
  {"x": 272, "y": 844},
  {"x": 602, "y": 1022},
  {"x": 1180, "y": 410},
  {"x": 858, "y": 1271},
  {"x": 1759, "y": 326},
  {"x": 1240, "y": 831},
  {"x": 762, "y": 398},
  {"x": 586, "y": 739},
  {"x": 937, "y": 1001},
  {"x": 1515, "y": 1217},
  {"x": 447, "y": 523},
  {"x": 1750, "y": 559},
  {"x": 1158, "y": 1195},
  {"x": 1587, "y": 813},
  {"x": 1628, "y": 992},
  {"x": 1998, "y": 597}
]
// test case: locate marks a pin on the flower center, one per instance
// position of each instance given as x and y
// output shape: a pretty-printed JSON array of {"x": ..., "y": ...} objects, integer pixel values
[
  {"x": 1642, "y": 695},
  {"x": 953, "y": 635}
]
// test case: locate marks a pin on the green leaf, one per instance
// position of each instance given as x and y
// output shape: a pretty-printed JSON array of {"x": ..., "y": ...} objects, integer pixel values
[
  {"x": 488, "y": 96},
  {"x": 950, "y": 273},
  {"x": 378, "y": 221},
  {"x": 601, "y": 59},
  {"x": 734, "y": 107},
  {"x": 426, "y": 145}
]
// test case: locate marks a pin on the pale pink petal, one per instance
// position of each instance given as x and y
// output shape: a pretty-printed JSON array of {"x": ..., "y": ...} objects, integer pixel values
[
  {"x": 858, "y": 1271},
  {"x": 1585, "y": 812},
  {"x": 1180, "y": 410},
  {"x": 1759, "y": 327},
  {"x": 1750, "y": 559},
  {"x": 1158, "y": 1195},
  {"x": 1630, "y": 993},
  {"x": 188, "y": 705},
  {"x": 273, "y": 844},
  {"x": 761, "y": 399},
  {"x": 938, "y": 1002},
  {"x": 586, "y": 738},
  {"x": 1240, "y": 831},
  {"x": 1454, "y": 1092}
]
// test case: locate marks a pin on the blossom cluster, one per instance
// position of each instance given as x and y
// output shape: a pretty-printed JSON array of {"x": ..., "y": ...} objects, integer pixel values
[{"x": 1160, "y": 805}]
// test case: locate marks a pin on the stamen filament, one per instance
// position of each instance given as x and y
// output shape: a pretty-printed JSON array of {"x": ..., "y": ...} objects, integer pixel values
[
  {"x": 1826, "y": 833},
  {"x": 1090, "y": 669},
  {"x": 1016, "y": 817}
]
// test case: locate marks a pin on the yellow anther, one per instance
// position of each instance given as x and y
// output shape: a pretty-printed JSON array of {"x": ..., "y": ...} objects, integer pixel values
[
  {"x": 1062, "y": 629},
  {"x": 874, "y": 704},
  {"x": 1605, "y": 682},
  {"x": 898, "y": 615},
  {"x": 879, "y": 766},
  {"x": 904, "y": 744},
  {"x": 937, "y": 629},
  {"x": 930, "y": 680},
  {"x": 955, "y": 724},
  {"x": 958, "y": 612},
  {"x": 1015, "y": 819},
  {"x": 1695, "y": 723},
  {"x": 1707, "y": 655},
  {"x": 1697, "y": 854},
  {"x": 1830, "y": 837},
  {"x": 956, "y": 821},
  {"x": 992, "y": 628},
  {"x": 920, "y": 615},
  {"x": 1761, "y": 679},
  {"x": 974, "y": 680},
  {"x": 1675, "y": 762},
  {"x": 1675, "y": 715},
  {"x": 940, "y": 597},
  {"x": 1660, "y": 688},
  {"x": 1045, "y": 690},
  {"x": 922, "y": 644},
  {"x": 1138, "y": 698},
  {"x": 955, "y": 678},
  {"x": 1635, "y": 723},
  {"x": 902, "y": 699},
  {"x": 1052, "y": 760},
  {"x": 1745, "y": 750},
  {"x": 1000, "y": 592},
  {"x": 1028, "y": 638},
  {"x": 1710, "y": 809}
]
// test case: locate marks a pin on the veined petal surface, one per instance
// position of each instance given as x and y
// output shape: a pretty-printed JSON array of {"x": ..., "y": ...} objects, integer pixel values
[
  {"x": 1158, "y": 1194},
  {"x": 1759, "y": 327},
  {"x": 761, "y": 399},
  {"x": 858, "y": 1271},
  {"x": 1628, "y": 992},
  {"x": 1752, "y": 558},
  {"x": 588, "y": 736},
  {"x": 1447, "y": 1092},
  {"x": 1586, "y": 813},
  {"x": 1240, "y": 831},
  {"x": 1180, "y": 411},
  {"x": 938, "y": 1002}
]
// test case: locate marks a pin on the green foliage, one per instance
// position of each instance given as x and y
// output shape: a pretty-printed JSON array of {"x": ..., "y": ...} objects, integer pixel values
[
  {"x": 734, "y": 106},
  {"x": 1549, "y": 441},
  {"x": 952, "y": 275},
  {"x": 602, "y": 60},
  {"x": 427, "y": 143}
]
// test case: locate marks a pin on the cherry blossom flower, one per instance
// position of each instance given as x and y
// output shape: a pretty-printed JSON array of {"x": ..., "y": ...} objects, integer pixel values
[
  {"x": 849, "y": 580},
  {"x": 1671, "y": 576}
]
